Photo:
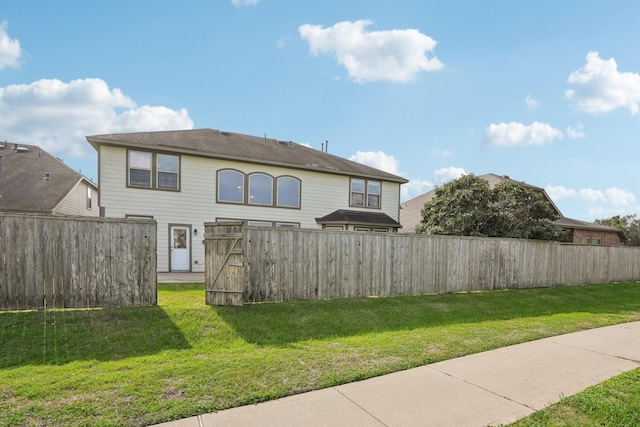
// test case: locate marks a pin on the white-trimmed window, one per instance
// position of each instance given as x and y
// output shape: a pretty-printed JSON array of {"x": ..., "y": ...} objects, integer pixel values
[
  {"x": 288, "y": 192},
  {"x": 230, "y": 186},
  {"x": 365, "y": 193},
  {"x": 260, "y": 189}
]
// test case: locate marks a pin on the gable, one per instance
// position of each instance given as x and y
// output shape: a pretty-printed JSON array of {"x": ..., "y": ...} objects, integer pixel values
[{"x": 32, "y": 180}]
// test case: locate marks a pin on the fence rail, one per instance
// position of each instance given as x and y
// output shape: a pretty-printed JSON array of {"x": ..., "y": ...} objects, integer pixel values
[
  {"x": 76, "y": 262},
  {"x": 287, "y": 264}
]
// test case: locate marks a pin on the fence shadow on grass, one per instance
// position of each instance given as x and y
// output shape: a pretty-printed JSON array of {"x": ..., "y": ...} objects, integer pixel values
[
  {"x": 282, "y": 324},
  {"x": 61, "y": 336}
]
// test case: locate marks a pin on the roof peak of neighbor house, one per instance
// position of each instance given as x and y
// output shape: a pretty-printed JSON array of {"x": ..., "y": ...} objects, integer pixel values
[
  {"x": 32, "y": 180},
  {"x": 220, "y": 144}
]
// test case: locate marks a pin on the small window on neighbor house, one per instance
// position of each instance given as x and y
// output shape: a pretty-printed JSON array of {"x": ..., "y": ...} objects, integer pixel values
[
  {"x": 167, "y": 171},
  {"x": 260, "y": 189},
  {"x": 596, "y": 241},
  {"x": 89, "y": 195},
  {"x": 230, "y": 186},
  {"x": 586, "y": 240},
  {"x": 288, "y": 189},
  {"x": 140, "y": 169}
]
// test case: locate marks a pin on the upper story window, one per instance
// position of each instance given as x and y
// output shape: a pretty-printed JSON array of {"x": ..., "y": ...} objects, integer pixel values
[
  {"x": 288, "y": 192},
  {"x": 365, "y": 193},
  {"x": 258, "y": 189},
  {"x": 167, "y": 171},
  {"x": 153, "y": 170},
  {"x": 140, "y": 169},
  {"x": 230, "y": 186}
]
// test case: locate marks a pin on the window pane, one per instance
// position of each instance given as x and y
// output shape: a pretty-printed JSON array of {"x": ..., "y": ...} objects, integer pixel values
[
  {"x": 139, "y": 160},
  {"x": 357, "y": 192},
  {"x": 167, "y": 163},
  {"x": 140, "y": 177},
  {"x": 260, "y": 189},
  {"x": 373, "y": 200},
  {"x": 373, "y": 187},
  {"x": 168, "y": 180},
  {"x": 180, "y": 239},
  {"x": 357, "y": 185},
  {"x": 230, "y": 186},
  {"x": 288, "y": 192},
  {"x": 357, "y": 199}
]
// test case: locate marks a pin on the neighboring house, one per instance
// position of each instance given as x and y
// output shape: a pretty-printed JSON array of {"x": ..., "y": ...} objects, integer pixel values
[
  {"x": 577, "y": 231},
  {"x": 34, "y": 182},
  {"x": 183, "y": 179}
]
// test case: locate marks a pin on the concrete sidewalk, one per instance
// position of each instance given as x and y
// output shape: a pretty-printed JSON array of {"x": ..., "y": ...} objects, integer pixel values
[{"x": 494, "y": 387}]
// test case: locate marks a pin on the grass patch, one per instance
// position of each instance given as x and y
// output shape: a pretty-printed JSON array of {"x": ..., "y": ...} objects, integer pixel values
[
  {"x": 613, "y": 403},
  {"x": 140, "y": 366}
]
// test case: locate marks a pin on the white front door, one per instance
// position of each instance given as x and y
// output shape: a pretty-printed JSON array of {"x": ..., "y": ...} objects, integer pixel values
[{"x": 180, "y": 247}]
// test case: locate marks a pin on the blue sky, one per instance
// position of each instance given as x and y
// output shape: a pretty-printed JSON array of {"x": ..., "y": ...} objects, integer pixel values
[{"x": 546, "y": 92}]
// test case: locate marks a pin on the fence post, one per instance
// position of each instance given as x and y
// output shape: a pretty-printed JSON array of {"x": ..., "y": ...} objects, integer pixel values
[{"x": 224, "y": 263}]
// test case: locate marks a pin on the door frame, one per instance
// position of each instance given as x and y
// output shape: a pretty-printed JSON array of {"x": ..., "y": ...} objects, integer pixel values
[{"x": 189, "y": 244}]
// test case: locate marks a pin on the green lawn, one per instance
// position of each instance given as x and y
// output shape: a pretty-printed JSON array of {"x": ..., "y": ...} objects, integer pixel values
[
  {"x": 614, "y": 403},
  {"x": 139, "y": 366}
]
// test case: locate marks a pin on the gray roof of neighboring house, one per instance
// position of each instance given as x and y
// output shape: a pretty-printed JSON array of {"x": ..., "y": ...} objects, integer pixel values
[
  {"x": 237, "y": 147},
  {"x": 23, "y": 183},
  {"x": 583, "y": 225},
  {"x": 344, "y": 216}
]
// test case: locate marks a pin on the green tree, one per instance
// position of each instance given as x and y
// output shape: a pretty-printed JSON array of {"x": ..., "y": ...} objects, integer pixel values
[
  {"x": 627, "y": 223},
  {"x": 467, "y": 206}
]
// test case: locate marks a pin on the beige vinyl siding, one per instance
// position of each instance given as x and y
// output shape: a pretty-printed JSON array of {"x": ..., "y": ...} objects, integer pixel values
[
  {"x": 75, "y": 202},
  {"x": 196, "y": 204}
]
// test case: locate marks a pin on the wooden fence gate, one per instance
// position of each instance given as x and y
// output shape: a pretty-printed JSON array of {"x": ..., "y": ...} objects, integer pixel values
[{"x": 224, "y": 263}]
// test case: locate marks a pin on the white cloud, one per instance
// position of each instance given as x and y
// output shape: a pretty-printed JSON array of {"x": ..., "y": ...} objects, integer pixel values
[
  {"x": 602, "y": 88},
  {"x": 241, "y": 3},
  {"x": 368, "y": 56},
  {"x": 416, "y": 187},
  {"x": 58, "y": 115},
  {"x": 441, "y": 152},
  {"x": 9, "y": 49},
  {"x": 378, "y": 160},
  {"x": 531, "y": 103},
  {"x": 613, "y": 196},
  {"x": 512, "y": 134},
  {"x": 444, "y": 175},
  {"x": 577, "y": 132}
]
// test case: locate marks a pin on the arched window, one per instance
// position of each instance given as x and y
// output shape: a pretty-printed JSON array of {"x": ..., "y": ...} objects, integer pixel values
[
  {"x": 288, "y": 192},
  {"x": 260, "y": 189},
  {"x": 230, "y": 186}
]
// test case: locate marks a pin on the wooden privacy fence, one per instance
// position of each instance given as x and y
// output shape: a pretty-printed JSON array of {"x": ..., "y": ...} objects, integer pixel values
[
  {"x": 76, "y": 262},
  {"x": 286, "y": 264}
]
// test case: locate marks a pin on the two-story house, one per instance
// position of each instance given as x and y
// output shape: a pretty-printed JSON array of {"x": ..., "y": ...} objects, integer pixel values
[{"x": 183, "y": 179}]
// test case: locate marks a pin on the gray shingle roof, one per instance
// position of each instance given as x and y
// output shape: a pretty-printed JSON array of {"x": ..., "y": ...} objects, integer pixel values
[
  {"x": 23, "y": 187},
  {"x": 344, "y": 216},
  {"x": 234, "y": 146}
]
